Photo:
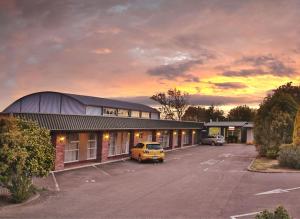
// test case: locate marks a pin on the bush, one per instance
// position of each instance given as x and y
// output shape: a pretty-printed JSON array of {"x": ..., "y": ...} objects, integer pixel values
[
  {"x": 272, "y": 153},
  {"x": 279, "y": 213},
  {"x": 289, "y": 156},
  {"x": 25, "y": 151}
]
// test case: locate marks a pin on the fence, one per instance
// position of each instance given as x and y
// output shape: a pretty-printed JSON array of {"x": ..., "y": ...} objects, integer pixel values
[{"x": 4, "y": 191}]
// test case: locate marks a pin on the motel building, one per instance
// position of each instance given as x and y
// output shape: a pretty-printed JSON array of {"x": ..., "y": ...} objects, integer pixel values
[
  {"x": 86, "y": 130},
  {"x": 234, "y": 132}
]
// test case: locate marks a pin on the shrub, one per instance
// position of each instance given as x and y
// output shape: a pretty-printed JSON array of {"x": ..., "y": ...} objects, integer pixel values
[
  {"x": 289, "y": 156},
  {"x": 25, "y": 151},
  {"x": 272, "y": 153},
  {"x": 279, "y": 213}
]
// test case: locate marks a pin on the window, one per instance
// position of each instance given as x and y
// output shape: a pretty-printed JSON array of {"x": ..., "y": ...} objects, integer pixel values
[
  {"x": 95, "y": 111},
  {"x": 175, "y": 138},
  {"x": 163, "y": 139},
  {"x": 122, "y": 112},
  {"x": 154, "y": 147},
  {"x": 154, "y": 116},
  {"x": 186, "y": 138},
  {"x": 145, "y": 115},
  {"x": 72, "y": 148},
  {"x": 109, "y": 112},
  {"x": 92, "y": 146},
  {"x": 118, "y": 143},
  {"x": 135, "y": 114}
]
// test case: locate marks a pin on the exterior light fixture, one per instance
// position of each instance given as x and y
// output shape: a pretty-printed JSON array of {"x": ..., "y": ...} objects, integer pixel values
[
  {"x": 158, "y": 133},
  {"x": 183, "y": 132},
  {"x": 194, "y": 132},
  {"x": 137, "y": 135},
  {"x": 106, "y": 136},
  {"x": 61, "y": 139},
  {"x": 174, "y": 133}
]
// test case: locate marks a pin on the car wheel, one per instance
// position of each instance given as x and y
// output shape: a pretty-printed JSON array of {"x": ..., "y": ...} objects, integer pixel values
[
  {"x": 213, "y": 143},
  {"x": 162, "y": 160}
]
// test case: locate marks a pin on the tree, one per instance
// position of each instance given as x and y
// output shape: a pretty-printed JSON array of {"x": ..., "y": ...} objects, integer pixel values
[
  {"x": 172, "y": 104},
  {"x": 274, "y": 121},
  {"x": 201, "y": 114},
  {"x": 25, "y": 151},
  {"x": 241, "y": 113}
]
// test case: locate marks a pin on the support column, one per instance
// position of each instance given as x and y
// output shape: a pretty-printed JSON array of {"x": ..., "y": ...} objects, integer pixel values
[
  {"x": 60, "y": 142},
  {"x": 171, "y": 145},
  {"x": 99, "y": 146},
  {"x": 105, "y": 145}
]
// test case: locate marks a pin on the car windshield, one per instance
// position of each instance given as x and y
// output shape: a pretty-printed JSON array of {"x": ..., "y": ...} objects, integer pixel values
[{"x": 153, "y": 146}]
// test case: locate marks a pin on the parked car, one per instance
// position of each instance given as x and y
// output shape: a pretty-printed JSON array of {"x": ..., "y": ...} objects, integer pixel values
[
  {"x": 213, "y": 140},
  {"x": 148, "y": 151}
]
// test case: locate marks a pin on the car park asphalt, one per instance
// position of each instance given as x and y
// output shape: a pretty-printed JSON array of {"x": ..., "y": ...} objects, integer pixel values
[{"x": 197, "y": 182}]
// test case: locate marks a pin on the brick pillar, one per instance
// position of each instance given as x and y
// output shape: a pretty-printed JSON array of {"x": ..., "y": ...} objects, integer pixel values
[
  {"x": 105, "y": 141},
  {"x": 60, "y": 141},
  {"x": 153, "y": 135},
  {"x": 131, "y": 141},
  {"x": 179, "y": 138},
  {"x": 99, "y": 146},
  {"x": 190, "y": 133},
  {"x": 171, "y": 139}
]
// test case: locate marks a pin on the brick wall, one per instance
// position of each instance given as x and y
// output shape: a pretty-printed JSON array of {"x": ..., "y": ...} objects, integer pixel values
[{"x": 60, "y": 152}]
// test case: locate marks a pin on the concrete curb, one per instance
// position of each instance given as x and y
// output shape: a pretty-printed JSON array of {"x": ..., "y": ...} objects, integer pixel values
[
  {"x": 31, "y": 199},
  {"x": 250, "y": 169}
]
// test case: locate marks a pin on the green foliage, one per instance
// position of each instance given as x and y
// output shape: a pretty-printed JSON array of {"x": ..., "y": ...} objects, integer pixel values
[
  {"x": 241, "y": 113},
  {"x": 272, "y": 153},
  {"x": 201, "y": 114},
  {"x": 289, "y": 156},
  {"x": 275, "y": 120},
  {"x": 296, "y": 134},
  {"x": 279, "y": 213},
  {"x": 25, "y": 151}
]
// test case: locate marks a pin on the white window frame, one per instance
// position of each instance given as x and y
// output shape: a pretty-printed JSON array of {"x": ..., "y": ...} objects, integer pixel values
[
  {"x": 115, "y": 134},
  {"x": 127, "y": 115},
  {"x": 114, "y": 114},
  {"x": 72, "y": 150},
  {"x": 89, "y": 148},
  {"x": 145, "y": 117}
]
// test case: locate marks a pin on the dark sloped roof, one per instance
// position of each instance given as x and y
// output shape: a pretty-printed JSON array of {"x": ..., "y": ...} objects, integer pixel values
[
  {"x": 59, "y": 122},
  {"x": 227, "y": 123},
  {"x": 97, "y": 101}
]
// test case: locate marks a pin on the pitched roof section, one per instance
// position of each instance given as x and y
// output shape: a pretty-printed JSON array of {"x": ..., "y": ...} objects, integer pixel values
[
  {"x": 228, "y": 123},
  {"x": 58, "y": 122},
  {"x": 97, "y": 101}
]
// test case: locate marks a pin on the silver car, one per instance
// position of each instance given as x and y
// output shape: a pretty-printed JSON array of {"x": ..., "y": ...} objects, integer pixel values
[{"x": 213, "y": 140}]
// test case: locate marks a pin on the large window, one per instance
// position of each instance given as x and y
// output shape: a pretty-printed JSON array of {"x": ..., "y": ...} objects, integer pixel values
[
  {"x": 109, "y": 112},
  {"x": 118, "y": 143},
  {"x": 175, "y": 138},
  {"x": 186, "y": 137},
  {"x": 163, "y": 139},
  {"x": 135, "y": 114},
  {"x": 123, "y": 113},
  {"x": 145, "y": 115},
  {"x": 92, "y": 146},
  {"x": 95, "y": 111},
  {"x": 72, "y": 148}
]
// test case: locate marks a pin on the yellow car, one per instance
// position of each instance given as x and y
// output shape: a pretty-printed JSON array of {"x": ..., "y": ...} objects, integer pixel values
[{"x": 148, "y": 151}]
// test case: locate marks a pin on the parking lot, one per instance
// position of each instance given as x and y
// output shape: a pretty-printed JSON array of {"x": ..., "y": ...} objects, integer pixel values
[{"x": 197, "y": 182}]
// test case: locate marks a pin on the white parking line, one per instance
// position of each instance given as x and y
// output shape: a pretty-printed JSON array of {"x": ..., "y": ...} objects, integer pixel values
[
  {"x": 244, "y": 215},
  {"x": 277, "y": 191},
  {"x": 55, "y": 182},
  {"x": 104, "y": 172}
]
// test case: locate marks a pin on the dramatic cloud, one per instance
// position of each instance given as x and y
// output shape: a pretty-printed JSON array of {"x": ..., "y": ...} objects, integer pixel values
[
  {"x": 229, "y": 85},
  {"x": 261, "y": 65},
  {"x": 175, "y": 71},
  {"x": 128, "y": 48}
]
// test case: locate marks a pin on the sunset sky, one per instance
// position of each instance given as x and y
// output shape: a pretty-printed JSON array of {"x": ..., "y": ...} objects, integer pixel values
[{"x": 225, "y": 52}]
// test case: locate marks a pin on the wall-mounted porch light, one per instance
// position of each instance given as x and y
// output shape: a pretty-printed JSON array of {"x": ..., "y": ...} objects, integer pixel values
[
  {"x": 183, "y": 132},
  {"x": 174, "y": 133},
  {"x": 158, "y": 133},
  {"x": 61, "y": 139},
  {"x": 194, "y": 132},
  {"x": 106, "y": 136}
]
